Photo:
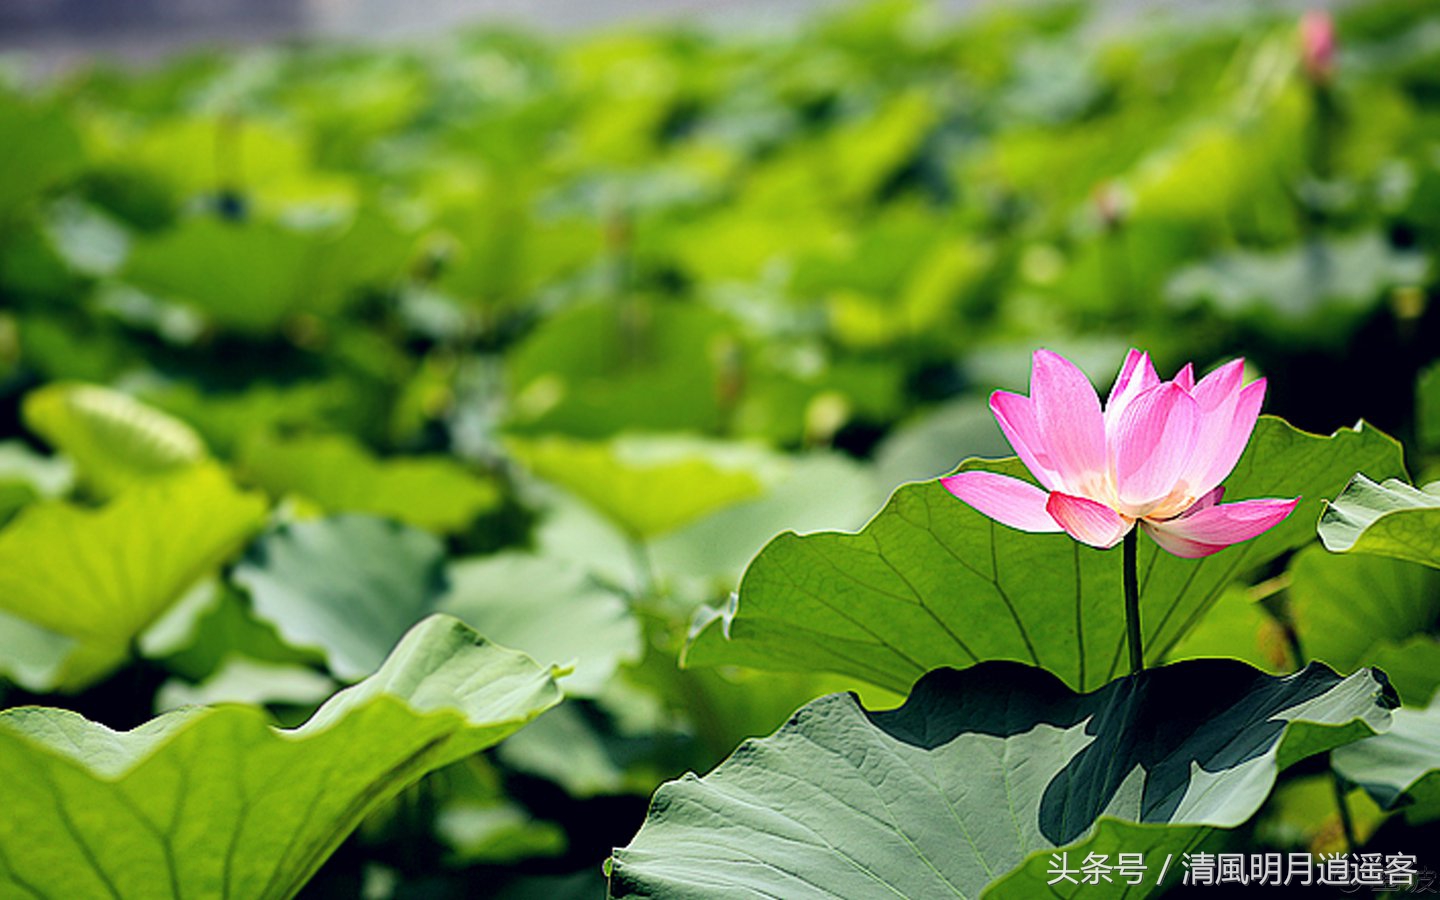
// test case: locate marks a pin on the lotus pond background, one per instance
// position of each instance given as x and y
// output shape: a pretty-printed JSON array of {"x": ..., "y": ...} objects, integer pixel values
[{"x": 316, "y": 362}]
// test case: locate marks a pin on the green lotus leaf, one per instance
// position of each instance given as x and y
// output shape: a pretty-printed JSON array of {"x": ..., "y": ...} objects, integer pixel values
[
  {"x": 1401, "y": 768},
  {"x": 94, "y": 580},
  {"x": 242, "y": 680},
  {"x": 215, "y": 802},
  {"x": 1427, "y": 408},
  {"x": 229, "y": 420},
  {"x": 251, "y": 276},
  {"x": 26, "y": 476},
  {"x": 983, "y": 773},
  {"x": 806, "y": 493},
  {"x": 647, "y": 486},
  {"x": 180, "y": 151},
  {"x": 1388, "y": 519},
  {"x": 206, "y": 630},
  {"x": 337, "y": 472},
  {"x": 348, "y": 586},
  {"x": 1355, "y": 609},
  {"x": 480, "y": 824},
  {"x": 599, "y": 369},
  {"x": 1314, "y": 291},
  {"x": 41, "y": 149},
  {"x": 1238, "y": 627},
  {"x": 114, "y": 439},
  {"x": 930, "y": 582},
  {"x": 549, "y": 608}
]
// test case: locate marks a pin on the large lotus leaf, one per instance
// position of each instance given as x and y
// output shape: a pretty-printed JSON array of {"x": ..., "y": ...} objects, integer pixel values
[
  {"x": 348, "y": 586},
  {"x": 197, "y": 154},
  {"x": 599, "y": 369},
  {"x": 863, "y": 154},
  {"x": 1401, "y": 768},
  {"x": 113, "y": 438},
  {"x": 741, "y": 242},
  {"x": 40, "y": 148},
  {"x": 229, "y": 420},
  {"x": 650, "y": 486},
  {"x": 806, "y": 493},
  {"x": 338, "y": 473},
  {"x": 1354, "y": 609},
  {"x": 1313, "y": 290},
  {"x": 100, "y": 577},
  {"x": 1237, "y": 627},
  {"x": 246, "y": 275},
  {"x": 1161, "y": 848},
  {"x": 982, "y": 768},
  {"x": 1413, "y": 665},
  {"x": 1216, "y": 170},
  {"x": 506, "y": 253},
  {"x": 1389, "y": 519},
  {"x": 1427, "y": 408},
  {"x": 212, "y": 802},
  {"x": 550, "y": 608},
  {"x": 251, "y": 276},
  {"x": 26, "y": 476},
  {"x": 931, "y": 582}
]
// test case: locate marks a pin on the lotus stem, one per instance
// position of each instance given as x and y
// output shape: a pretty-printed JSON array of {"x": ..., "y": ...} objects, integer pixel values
[
  {"x": 1132, "y": 600},
  {"x": 1347, "y": 824}
]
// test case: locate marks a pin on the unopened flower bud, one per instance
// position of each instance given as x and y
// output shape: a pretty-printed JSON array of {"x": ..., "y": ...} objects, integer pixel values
[{"x": 1317, "y": 45}]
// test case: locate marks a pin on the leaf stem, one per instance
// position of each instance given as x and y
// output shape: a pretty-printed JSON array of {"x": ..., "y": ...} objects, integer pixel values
[
  {"x": 1132, "y": 600},
  {"x": 1281, "y": 614},
  {"x": 645, "y": 581},
  {"x": 1347, "y": 824}
]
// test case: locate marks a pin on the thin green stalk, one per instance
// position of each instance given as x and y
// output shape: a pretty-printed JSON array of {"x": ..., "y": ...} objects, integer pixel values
[
  {"x": 645, "y": 581},
  {"x": 1281, "y": 614},
  {"x": 1347, "y": 824},
  {"x": 1132, "y": 600}
]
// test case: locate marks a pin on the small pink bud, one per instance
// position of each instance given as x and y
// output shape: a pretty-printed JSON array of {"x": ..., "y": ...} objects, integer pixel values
[{"x": 1317, "y": 45}]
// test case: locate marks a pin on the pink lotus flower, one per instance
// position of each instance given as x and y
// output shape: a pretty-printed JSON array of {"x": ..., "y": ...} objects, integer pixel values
[
  {"x": 1317, "y": 45},
  {"x": 1155, "y": 455}
]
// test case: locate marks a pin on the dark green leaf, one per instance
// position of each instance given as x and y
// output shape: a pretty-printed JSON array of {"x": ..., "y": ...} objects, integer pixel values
[
  {"x": 931, "y": 582},
  {"x": 982, "y": 768},
  {"x": 212, "y": 802}
]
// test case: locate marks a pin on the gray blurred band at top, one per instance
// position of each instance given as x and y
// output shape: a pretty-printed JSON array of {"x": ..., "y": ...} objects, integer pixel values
[{"x": 55, "y": 32}]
